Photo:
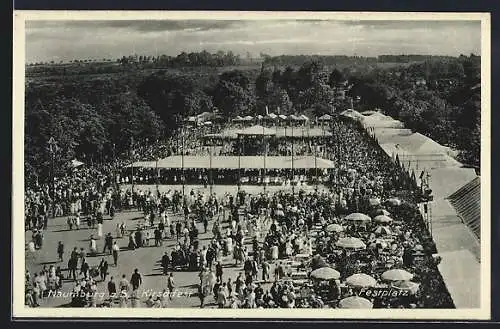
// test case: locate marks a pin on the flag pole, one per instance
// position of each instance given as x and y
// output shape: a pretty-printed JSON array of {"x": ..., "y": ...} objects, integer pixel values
[
  {"x": 240, "y": 147},
  {"x": 265, "y": 154},
  {"x": 182, "y": 164},
  {"x": 211, "y": 174}
]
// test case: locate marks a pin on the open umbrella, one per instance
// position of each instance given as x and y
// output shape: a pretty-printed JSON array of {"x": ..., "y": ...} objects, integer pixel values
[
  {"x": 361, "y": 280},
  {"x": 382, "y": 219},
  {"x": 374, "y": 202},
  {"x": 406, "y": 286},
  {"x": 334, "y": 228},
  {"x": 358, "y": 217},
  {"x": 325, "y": 273},
  {"x": 394, "y": 202},
  {"x": 355, "y": 302},
  {"x": 382, "y": 212},
  {"x": 397, "y": 275},
  {"x": 350, "y": 243},
  {"x": 418, "y": 247},
  {"x": 383, "y": 230}
]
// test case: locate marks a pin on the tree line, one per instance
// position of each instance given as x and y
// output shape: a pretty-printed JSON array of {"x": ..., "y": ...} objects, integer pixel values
[{"x": 98, "y": 117}]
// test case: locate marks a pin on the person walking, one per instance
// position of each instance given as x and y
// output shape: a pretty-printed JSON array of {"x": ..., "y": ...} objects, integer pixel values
[
  {"x": 103, "y": 269},
  {"x": 201, "y": 295},
  {"x": 84, "y": 269},
  {"x": 116, "y": 250},
  {"x": 219, "y": 271},
  {"x": 136, "y": 280},
  {"x": 108, "y": 243},
  {"x": 165, "y": 262},
  {"x": 111, "y": 288},
  {"x": 170, "y": 285},
  {"x": 60, "y": 250}
]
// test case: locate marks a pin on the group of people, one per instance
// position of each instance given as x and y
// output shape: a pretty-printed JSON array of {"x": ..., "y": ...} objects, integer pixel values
[{"x": 274, "y": 236}]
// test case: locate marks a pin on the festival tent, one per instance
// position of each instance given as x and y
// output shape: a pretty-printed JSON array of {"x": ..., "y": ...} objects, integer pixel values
[
  {"x": 301, "y": 132},
  {"x": 417, "y": 143},
  {"x": 389, "y": 135},
  {"x": 293, "y": 117},
  {"x": 304, "y": 117},
  {"x": 272, "y": 116},
  {"x": 238, "y": 119},
  {"x": 282, "y": 117},
  {"x": 381, "y": 121},
  {"x": 378, "y": 116},
  {"x": 350, "y": 113},
  {"x": 446, "y": 181},
  {"x": 325, "y": 117},
  {"x": 311, "y": 162},
  {"x": 259, "y": 117},
  {"x": 257, "y": 130},
  {"x": 248, "y": 118}
]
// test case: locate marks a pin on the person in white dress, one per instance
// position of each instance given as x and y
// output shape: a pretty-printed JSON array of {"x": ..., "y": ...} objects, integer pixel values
[
  {"x": 229, "y": 245},
  {"x": 77, "y": 221},
  {"x": 274, "y": 252},
  {"x": 99, "y": 230},
  {"x": 118, "y": 230},
  {"x": 93, "y": 246}
]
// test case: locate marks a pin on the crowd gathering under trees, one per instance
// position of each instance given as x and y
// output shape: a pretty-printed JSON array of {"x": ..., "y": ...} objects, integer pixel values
[{"x": 95, "y": 117}]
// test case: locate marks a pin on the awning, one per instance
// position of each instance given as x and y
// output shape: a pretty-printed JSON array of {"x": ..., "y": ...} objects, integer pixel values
[
  {"x": 235, "y": 162},
  {"x": 257, "y": 130}
]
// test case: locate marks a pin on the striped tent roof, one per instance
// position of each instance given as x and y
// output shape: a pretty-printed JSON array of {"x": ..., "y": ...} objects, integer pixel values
[{"x": 467, "y": 203}]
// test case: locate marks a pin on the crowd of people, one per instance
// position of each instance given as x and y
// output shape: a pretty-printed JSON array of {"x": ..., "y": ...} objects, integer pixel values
[{"x": 366, "y": 223}]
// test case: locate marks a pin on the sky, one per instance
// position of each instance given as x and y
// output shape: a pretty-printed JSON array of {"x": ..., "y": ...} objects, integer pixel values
[{"x": 68, "y": 40}]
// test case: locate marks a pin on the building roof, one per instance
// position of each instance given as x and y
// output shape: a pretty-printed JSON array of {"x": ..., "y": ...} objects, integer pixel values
[
  {"x": 235, "y": 162},
  {"x": 257, "y": 130},
  {"x": 350, "y": 113},
  {"x": 445, "y": 181},
  {"x": 467, "y": 202}
]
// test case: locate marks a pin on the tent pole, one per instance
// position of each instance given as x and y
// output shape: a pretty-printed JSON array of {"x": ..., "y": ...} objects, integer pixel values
[{"x": 182, "y": 164}]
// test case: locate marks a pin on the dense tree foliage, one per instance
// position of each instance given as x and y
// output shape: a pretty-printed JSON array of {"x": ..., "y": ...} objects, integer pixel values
[
  {"x": 94, "y": 116},
  {"x": 439, "y": 98}
]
